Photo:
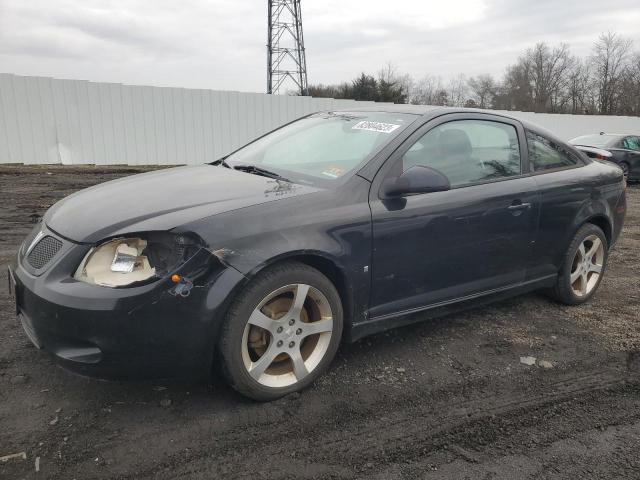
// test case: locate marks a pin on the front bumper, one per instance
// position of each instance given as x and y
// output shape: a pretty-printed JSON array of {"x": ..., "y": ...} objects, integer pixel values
[{"x": 125, "y": 333}]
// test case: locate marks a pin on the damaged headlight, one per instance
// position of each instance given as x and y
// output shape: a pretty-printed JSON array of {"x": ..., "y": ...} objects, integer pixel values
[{"x": 126, "y": 261}]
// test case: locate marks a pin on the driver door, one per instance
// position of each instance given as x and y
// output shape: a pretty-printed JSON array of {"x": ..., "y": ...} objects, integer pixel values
[{"x": 438, "y": 247}]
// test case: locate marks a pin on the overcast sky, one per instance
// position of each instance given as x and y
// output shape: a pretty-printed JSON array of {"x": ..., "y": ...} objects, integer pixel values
[{"x": 220, "y": 44}]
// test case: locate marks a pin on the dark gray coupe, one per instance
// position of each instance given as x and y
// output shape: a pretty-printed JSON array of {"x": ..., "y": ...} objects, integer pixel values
[{"x": 331, "y": 228}]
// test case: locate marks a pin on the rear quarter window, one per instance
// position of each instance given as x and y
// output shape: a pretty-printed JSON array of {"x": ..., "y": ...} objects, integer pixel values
[{"x": 545, "y": 154}]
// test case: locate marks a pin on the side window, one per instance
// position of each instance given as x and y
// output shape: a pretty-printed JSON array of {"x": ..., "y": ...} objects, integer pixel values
[
  {"x": 631, "y": 143},
  {"x": 468, "y": 151},
  {"x": 546, "y": 155}
]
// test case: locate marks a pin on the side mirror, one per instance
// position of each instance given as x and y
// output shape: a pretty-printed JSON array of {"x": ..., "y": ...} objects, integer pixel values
[{"x": 417, "y": 179}]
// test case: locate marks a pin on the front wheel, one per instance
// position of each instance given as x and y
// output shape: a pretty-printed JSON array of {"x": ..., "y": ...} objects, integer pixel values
[
  {"x": 281, "y": 332},
  {"x": 625, "y": 169},
  {"x": 583, "y": 267}
]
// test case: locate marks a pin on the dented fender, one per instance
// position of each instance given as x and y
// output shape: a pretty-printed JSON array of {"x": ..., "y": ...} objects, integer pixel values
[{"x": 336, "y": 240}]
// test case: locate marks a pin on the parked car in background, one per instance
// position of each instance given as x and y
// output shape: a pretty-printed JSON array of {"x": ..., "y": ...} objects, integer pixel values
[
  {"x": 336, "y": 226},
  {"x": 623, "y": 150}
]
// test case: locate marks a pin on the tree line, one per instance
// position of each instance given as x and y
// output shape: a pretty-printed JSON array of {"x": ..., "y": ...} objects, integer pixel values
[{"x": 544, "y": 78}]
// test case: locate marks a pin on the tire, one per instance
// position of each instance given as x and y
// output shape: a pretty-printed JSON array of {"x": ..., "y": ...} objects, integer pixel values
[
  {"x": 267, "y": 327},
  {"x": 625, "y": 169},
  {"x": 585, "y": 266}
]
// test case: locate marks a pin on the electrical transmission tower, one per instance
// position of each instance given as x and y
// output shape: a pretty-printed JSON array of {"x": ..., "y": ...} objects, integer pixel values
[{"x": 285, "y": 49}]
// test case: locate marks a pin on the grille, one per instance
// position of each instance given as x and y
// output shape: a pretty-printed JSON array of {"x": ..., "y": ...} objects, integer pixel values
[{"x": 43, "y": 252}]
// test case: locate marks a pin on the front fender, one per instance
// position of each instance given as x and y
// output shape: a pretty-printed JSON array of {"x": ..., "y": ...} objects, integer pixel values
[{"x": 330, "y": 230}]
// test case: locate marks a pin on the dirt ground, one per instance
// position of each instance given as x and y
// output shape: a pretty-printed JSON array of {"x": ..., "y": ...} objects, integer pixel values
[{"x": 448, "y": 398}]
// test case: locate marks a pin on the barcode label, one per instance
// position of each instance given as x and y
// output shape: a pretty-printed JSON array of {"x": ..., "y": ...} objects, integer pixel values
[{"x": 375, "y": 127}]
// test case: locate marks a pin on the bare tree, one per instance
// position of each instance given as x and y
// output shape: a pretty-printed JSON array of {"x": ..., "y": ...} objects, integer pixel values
[
  {"x": 441, "y": 98},
  {"x": 580, "y": 92},
  {"x": 549, "y": 71},
  {"x": 407, "y": 83},
  {"x": 390, "y": 87},
  {"x": 516, "y": 92},
  {"x": 457, "y": 91},
  {"x": 634, "y": 70},
  {"x": 483, "y": 88},
  {"x": 427, "y": 91},
  {"x": 389, "y": 72},
  {"x": 629, "y": 88},
  {"x": 609, "y": 59},
  {"x": 543, "y": 79}
]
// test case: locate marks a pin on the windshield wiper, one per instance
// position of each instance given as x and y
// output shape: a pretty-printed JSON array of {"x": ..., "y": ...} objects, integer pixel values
[
  {"x": 220, "y": 162},
  {"x": 260, "y": 171}
]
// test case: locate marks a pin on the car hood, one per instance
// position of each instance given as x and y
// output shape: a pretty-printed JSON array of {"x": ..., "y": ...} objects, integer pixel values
[{"x": 162, "y": 200}]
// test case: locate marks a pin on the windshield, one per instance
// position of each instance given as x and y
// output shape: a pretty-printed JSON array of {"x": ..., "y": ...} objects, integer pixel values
[
  {"x": 594, "y": 140},
  {"x": 323, "y": 148}
]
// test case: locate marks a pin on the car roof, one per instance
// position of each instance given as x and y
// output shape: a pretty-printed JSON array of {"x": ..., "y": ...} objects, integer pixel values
[
  {"x": 431, "y": 111},
  {"x": 434, "y": 111},
  {"x": 612, "y": 135},
  {"x": 423, "y": 110},
  {"x": 392, "y": 108},
  {"x": 601, "y": 134}
]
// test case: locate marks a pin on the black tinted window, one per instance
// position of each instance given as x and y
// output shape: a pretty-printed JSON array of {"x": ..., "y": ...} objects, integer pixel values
[
  {"x": 468, "y": 151},
  {"x": 545, "y": 154}
]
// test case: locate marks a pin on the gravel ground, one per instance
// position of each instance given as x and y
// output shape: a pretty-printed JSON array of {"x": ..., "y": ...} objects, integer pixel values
[{"x": 448, "y": 398}]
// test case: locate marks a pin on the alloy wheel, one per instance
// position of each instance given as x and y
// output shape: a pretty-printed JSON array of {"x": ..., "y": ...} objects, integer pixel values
[
  {"x": 287, "y": 335},
  {"x": 587, "y": 266}
]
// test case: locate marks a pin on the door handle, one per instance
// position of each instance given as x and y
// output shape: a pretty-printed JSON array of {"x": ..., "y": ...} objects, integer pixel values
[
  {"x": 517, "y": 209},
  {"x": 519, "y": 206}
]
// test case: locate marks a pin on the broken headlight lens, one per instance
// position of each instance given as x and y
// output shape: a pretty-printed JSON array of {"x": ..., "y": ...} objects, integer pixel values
[{"x": 126, "y": 261}]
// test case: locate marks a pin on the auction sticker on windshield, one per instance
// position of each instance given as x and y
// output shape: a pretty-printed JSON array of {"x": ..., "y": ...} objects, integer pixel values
[
  {"x": 333, "y": 172},
  {"x": 375, "y": 126}
]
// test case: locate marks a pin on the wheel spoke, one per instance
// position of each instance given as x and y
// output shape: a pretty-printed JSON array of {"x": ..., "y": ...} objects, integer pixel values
[
  {"x": 300, "y": 296},
  {"x": 258, "y": 368},
  {"x": 582, "y": 251},
  {"x": 299, "y": 368},
  {"x": 583, "y": 283},
  {"x": 594, "y": 267},
  {"x": 259, "y": 319},
  {"x": 576, "y": 275},
  {"x": 320, "y": 326},
  {"x": 594, "y": 248}
]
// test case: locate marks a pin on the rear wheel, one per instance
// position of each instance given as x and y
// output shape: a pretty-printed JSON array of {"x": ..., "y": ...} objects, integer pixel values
[
  {"x": 583, "y": 267},
  {"x": 282, "y": 332}
]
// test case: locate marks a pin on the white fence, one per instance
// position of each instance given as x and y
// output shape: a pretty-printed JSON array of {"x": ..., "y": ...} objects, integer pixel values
[{"x": 45, "y": 120}]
